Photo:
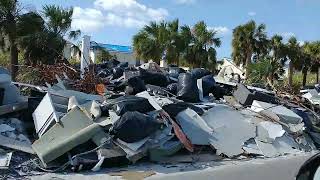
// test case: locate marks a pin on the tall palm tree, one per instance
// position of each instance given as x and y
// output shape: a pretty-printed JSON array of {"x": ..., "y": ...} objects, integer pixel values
[
  {"x": 8, "y": 30},
  {"x": 200, "y": 45},
  {"x": 278, "y": 53},
  {"x": 173, "y": 46},
  {"x": 47, "y": 43},
  {"x": 249, "y": 41},
  {"x": 295, "y": 57},
  {"x": 313, "y": 50},
  {"x": 149, "y": 43}
]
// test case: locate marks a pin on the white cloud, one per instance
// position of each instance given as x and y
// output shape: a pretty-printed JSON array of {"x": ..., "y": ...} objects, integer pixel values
[
  {"x": 221, "y": 30},
  {"x": 288, "y": 35},
  {"x": 87, "y": 20},
  {"x": 185, "y": 1},
  {"x": 122, "y": 13},
  {"x": 127, "y": 9},
  {"x": 252, "y": 13}
]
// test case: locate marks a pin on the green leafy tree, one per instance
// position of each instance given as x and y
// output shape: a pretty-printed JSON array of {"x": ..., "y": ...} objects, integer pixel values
[
  {"x": 295, "y": 56},
  {"x": 312, "y": 49},
  {"x": 278, "y": 57},
  {"x": 46, "y": 46},
  {"x": 149, "y": 43},
  {"x": 9, "y": 14},
  {"x": 103, "y": 55},
  {"x": 39, "y": 38},
  {"x": 249, "y": 42},
  {"x": 200, "y": 44},
  {"x": 265, "y": 71}
]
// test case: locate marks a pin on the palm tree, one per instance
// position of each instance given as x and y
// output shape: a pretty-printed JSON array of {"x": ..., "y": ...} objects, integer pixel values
[
  {"x": 59, "y": 21},
  {"x": 40, "y": 40},
  {"x": 8, "y": 30},
  {"x": 295, "y": 56},
  {"x": 313, "y": 50},
  {"x": 200, "y": 44},
  {"x": 249, "y": 41},
  {"x": 173, "y": 46},
  {"x": 46, "y": 44},
  {"x": 150, "y": 41},
  {"x": 278, "y": 53}
]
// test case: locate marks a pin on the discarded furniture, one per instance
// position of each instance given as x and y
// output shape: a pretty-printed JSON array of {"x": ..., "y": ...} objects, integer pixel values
[{"x": 49, "y": 111}]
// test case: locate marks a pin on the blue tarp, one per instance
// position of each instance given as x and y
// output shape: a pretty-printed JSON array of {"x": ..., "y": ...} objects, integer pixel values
[{"x": 113, "y": 47}]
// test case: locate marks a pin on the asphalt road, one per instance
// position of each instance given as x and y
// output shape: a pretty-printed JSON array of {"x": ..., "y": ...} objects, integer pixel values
[
  {"x": 284, "y": 168},
  {"x": 281, "y": 168}
]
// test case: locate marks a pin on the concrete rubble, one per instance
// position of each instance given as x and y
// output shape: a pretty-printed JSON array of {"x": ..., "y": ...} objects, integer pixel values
[{"x": 134, "y": 114}]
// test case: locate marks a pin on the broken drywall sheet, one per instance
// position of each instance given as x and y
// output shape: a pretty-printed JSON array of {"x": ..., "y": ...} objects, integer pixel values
[
  {"x": 5, "y": 128},
  {"x": 5, "y": 159},
  {"x": 230, "y": 129},
  {"x": 24, "y": 146},
  {"x": 251, "y": 147},
  {"x": 268, "y": 131},
  {"x": 194, "y": 127},
  {"x": 281, "y": 146},
  {"x": 285, "y": 114}
]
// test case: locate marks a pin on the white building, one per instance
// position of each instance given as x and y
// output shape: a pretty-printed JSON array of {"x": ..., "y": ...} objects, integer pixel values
[{"x": 123, "y": 53}]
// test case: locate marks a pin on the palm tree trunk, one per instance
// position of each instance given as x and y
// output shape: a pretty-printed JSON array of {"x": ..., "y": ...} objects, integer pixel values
[
  {"x": 305, "y": 73},
  {"x": 14, "y": 60},
  {"x": 290, "y": 74},
  {"x": 12, "y": 34},
  {"x": 248, "y": 62},
  {"x": 318, "y": 73}
]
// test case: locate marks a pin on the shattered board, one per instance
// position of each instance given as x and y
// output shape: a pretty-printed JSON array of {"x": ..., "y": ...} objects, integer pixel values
[{"x": 230, "y": 130}]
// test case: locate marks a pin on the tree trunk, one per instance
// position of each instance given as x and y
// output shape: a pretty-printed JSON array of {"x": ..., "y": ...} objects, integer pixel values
[
  {"x": 248, "y": 63},
  {"x": 14, "y": 60},
  {"x": 290, "y": 74},
  {"x": 305, "y": 73},
  {"x": 12, "y": 34},
  {"x": 318, "y": 73}
]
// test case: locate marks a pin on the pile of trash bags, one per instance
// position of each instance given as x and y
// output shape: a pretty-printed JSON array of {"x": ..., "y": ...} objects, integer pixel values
[{"x": 147, "y": 112}]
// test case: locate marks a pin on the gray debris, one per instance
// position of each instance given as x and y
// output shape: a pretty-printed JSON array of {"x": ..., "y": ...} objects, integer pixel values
[
  {"x": 195, "y": 127},
  {"x": 268, "y": 131},
  {"x": 285, "y": 114},
  {"x": 231, "y": 130},
  {"x": 5, "y": 159},
  {"x": 49, "y": 111}
]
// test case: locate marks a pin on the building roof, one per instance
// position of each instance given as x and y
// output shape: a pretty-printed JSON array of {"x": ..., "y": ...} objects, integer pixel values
[{"x": 112, "y": 47}]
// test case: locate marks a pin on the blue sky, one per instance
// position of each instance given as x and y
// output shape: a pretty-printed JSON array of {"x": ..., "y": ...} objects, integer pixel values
[{"x": 116, "y": 21}]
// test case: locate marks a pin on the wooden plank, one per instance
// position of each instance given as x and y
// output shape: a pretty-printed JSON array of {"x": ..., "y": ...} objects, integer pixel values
[{"x": 9, "y": 108}]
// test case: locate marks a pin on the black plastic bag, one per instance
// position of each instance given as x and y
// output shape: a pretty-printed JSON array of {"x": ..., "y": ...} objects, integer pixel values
[
  {"x": 174, "y": 109},
  {"x": 124, "y": 104},
  {"x": 154, "y": 78},
  {"x": 208, "y": 84},
  {"x": 134, "y": 126},
  {"x": 157, "y": 90},
  {"x": 123, "y": 65},
  {"x": 135, "y": 85},
  {"x": 187, "y": 88},
  {"x": 172, "y": 88},
  {"x": 117, "y": 72},
  {"x": 198, "y": 73}
]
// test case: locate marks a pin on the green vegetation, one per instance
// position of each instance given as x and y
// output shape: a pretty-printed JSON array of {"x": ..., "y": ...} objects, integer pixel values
[
  {"x": 194, "y": 45},
  {"x": 104, "y": 55},
  {"x": 33, "y": 38},
  {"x": 38, "y": 36},
  {"x": 265, "y": 57}
]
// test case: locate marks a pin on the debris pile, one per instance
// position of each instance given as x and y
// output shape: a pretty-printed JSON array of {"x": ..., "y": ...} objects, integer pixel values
[{"x": 119, "y": 115}]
